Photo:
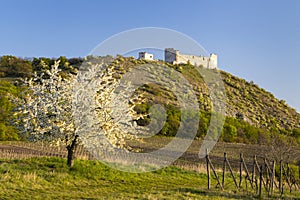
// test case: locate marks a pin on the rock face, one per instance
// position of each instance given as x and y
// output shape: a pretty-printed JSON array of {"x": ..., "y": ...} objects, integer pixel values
[{"x": 174, "y": 57}]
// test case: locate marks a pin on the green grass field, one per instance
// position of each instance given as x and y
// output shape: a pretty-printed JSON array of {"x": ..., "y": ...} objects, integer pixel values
[{"x": 50, "y": 178}]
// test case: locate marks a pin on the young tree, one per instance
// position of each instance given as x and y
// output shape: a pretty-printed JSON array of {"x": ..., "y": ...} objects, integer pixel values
[
  {"x": 283, "y": 147},
  {"x": 54, "y": 109}
]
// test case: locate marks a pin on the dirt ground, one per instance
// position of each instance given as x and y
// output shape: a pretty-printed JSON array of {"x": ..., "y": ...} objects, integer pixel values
[{"x": 15, "y": 150}]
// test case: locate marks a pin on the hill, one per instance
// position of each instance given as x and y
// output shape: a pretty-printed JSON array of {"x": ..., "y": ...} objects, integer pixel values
[
  {"x": 258, "y": 106},
  {"x": 253, "y": 115}
]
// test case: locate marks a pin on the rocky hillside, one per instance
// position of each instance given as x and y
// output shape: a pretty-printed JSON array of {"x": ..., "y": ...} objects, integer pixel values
[
  {"x": 246, "y": 101},
  {"x": 258, "y": 106}
]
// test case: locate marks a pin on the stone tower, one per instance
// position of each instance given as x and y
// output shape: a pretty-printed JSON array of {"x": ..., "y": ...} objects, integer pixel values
[
  {"x": 171, "y": 55},
  {"x": 174, "y": 57}
]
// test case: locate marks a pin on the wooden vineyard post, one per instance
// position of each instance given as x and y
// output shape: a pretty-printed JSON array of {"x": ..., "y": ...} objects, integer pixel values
[
  {"x": 267, "y": 169},
  {"x": 224, "y": 170},
  {"x": 272, "y": 178},
  {"x": 247, "y": 172},
  {"x": 207, "y": 169},
  {"x": 291, "y": 178},
  {"x": 287, "y": 178},
  {"x": 253, "y": 171},
  {"x": 241, "y": 170},
  {"x": 258, "y": 169},
  {"x": 269, "y": 176},
  {"x": 280, "y": 178},
  {"x": 260, "y": 182},
  {"x": 231, "y": 172}
]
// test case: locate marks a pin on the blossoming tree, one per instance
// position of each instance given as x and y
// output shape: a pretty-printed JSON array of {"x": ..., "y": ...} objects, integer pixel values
[{"x": 50, "y": 109}]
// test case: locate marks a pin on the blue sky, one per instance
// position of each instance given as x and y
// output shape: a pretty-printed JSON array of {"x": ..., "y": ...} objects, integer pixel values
[{"x": 257, "y": 40}]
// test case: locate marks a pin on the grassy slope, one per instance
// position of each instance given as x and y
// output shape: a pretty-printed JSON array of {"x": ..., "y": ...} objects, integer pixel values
[
  {"x": 49, "y": 178},
  {"x": 258, "y": 106}
]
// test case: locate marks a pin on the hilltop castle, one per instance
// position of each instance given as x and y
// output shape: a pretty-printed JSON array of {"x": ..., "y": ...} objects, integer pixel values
[
  {"x": 174, "y": 57},
  {"x": 145, "y": 56}
]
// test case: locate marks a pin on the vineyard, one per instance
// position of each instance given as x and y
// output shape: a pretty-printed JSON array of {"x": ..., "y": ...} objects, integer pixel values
[
  {"x": 20, "y": 150},
  {"x": 248, "y": 168},
  {"x": 190, "y": 159}
]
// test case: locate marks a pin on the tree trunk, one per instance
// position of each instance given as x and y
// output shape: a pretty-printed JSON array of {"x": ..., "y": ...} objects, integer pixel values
[{"x": 71, "y": 152}]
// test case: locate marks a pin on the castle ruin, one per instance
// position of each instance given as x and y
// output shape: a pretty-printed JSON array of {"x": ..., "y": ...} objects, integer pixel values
[
  {"x": 174, "y": 57},
  {"x": 145, "y": 56}
]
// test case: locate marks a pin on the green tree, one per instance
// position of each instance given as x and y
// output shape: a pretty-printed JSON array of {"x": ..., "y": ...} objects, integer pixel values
[
  {"x": 229, "y": 133},
  {"x": 41, "y": 64},
  {"x": 8, "y": 92},
  {"x": 12, "y": 66}
]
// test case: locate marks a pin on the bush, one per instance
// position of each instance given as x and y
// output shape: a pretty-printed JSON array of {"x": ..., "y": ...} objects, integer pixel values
[
  {"x": 141, "y": 108},
  {"x": 229, "y": 133},
  {"x": 8, "y": 132},
  {"x": 7, "y": 92}
]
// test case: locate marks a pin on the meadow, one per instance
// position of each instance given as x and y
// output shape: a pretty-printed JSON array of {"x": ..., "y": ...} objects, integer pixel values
[
  {"x": 46, "y": 176},
  {"x": 50, "y": 178}
]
